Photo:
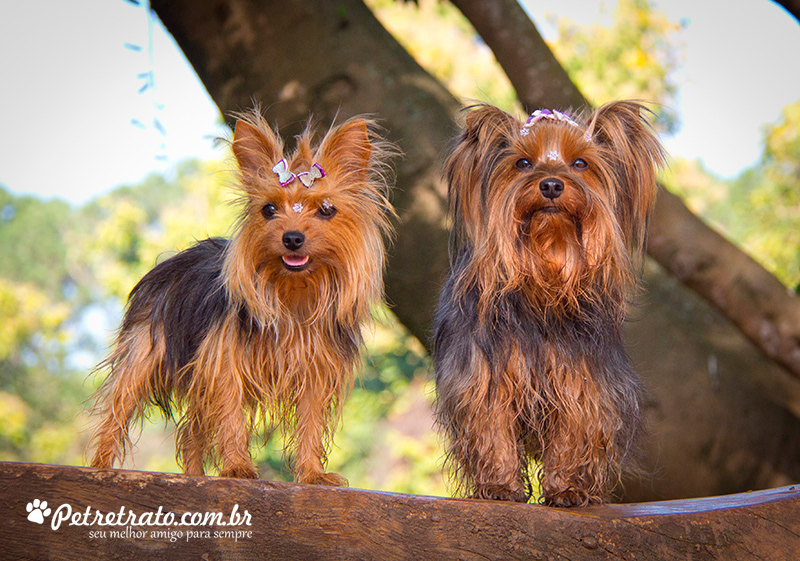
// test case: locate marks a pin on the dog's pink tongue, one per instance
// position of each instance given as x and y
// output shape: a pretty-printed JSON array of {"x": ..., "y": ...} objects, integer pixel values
[{"x": 295, "y": 260}]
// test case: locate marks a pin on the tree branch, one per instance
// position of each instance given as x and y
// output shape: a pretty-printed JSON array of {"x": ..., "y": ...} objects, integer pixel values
[
  {"x": 764, "y": 310},
  {"x": 752, "y": 298},
  {"x": 536, "y": 75},
  {"x": 302, "y": 522}
]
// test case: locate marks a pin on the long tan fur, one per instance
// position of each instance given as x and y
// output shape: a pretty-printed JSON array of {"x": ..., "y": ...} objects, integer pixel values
[{"x": 273, "y": 342}]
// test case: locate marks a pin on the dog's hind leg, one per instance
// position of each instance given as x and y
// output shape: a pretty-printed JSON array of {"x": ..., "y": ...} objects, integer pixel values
[
  {"x": 193, "y": 442},
  {"x": 135, "y": 367}
]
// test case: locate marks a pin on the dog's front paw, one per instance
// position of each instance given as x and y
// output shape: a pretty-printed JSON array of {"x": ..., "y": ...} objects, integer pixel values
[
  {"x": 323, "y": 478},
  {"x": 571, "y": 497},
  {"x": 497, "y": 492},
  {"x": 101, "y": 462},
  {"x": 240, "y": 471}
]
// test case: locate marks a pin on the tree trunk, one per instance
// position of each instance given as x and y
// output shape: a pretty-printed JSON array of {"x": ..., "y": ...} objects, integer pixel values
[
  {"x": 764, "y": 310},
  {"x": 295, "y": 522},
  {"x": 324, "y": 57}
]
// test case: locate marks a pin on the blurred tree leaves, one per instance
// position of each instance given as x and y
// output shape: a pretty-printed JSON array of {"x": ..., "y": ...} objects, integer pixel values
[
  {"x": 635, "y": 56},
  {"x": 28, "y": 319},
  {"x": 35, "y": 390},
  {"x": 134, "y": 227},
  {"x": 773, "y": 199},
  {"x": 32, "y": 245},
  {"x": 760, "y": 209}
]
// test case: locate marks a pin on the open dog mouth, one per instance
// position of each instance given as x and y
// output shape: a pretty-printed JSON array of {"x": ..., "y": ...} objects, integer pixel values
[{"x": 295, "y": 262}]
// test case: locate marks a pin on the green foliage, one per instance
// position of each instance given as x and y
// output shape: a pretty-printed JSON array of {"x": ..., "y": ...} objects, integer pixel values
[
  {"x": 760, "y": 209},
  {"x": 133, "y": 227},
  {"x": 58, "y": 260},
  {"x": 32, "y": 247},
  {"x": 28, "y": 318},
  {"x": 34, "y": 389},
  {"x": 14, "y": 414},
  {"x": 768, "y": 202},
  {"x": 386, "y": 440},
  {"x": 635, "y": 57}
]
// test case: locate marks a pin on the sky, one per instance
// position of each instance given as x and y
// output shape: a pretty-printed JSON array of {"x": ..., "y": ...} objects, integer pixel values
[{"x": 79, "y": 117}]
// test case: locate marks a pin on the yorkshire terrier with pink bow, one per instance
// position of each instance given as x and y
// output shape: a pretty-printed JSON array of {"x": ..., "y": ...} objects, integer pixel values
[{"x": 264, "y": 327}]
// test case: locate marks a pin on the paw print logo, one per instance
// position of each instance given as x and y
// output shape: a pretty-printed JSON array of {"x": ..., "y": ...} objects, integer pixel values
[{"x": 38, "y": 510}]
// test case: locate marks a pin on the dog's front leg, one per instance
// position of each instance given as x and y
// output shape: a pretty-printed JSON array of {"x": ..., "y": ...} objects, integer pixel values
[{"x": 314, "y": 399}]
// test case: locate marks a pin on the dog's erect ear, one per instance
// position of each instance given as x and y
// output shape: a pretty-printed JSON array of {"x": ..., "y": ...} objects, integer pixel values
[
  {"x": 634, "y": 151},
  {"x": 489, "y": 124},
  {"x": 346, "y": 149},
  {"x": 255, "y": 145},
  {"x": 487, "y": 129}
]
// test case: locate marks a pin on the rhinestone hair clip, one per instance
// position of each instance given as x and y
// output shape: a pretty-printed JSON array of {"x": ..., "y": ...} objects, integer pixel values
[
  {"x": 307, "y": 178},
  {"x": 550, "y": 115}
]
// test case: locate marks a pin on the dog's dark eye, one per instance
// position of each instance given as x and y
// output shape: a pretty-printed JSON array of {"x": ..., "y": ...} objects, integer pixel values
[
  {"x": 269, "y": 210},
  {"x": 580, "y": 164},
  {"x": 523, "y": 163},
  {"x": 326, "y": 210}
]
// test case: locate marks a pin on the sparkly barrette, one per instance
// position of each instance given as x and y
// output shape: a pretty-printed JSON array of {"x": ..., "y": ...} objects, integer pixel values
[
  {"x": 284, "y": 175},
  {"x": 550, "y": 115},
  {"x": 313, "y": 173},
  {"x": 307, "y": 178}
]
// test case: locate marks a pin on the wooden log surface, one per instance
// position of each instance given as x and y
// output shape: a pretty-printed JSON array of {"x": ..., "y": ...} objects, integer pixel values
[{"x": 277, "y": 520}]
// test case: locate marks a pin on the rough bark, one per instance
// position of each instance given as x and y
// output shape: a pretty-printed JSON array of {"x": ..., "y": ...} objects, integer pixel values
[
  {"x": 765, "y": 311},
  {"x": 297, "y": 522},
  {"x": 713, "y": 423},
  {"x": 530, "y": 65},
  {"x": 752, "y": 298},
  {"x": 323, "y": 57}
]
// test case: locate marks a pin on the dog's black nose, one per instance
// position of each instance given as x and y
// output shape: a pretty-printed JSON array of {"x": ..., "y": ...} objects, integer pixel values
[
  {"x": 293, "y": 240},
  {"x": 551, "y": 188}
]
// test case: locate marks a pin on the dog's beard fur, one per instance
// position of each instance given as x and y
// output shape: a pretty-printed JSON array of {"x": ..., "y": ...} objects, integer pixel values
[
  {"x": 529, "y": 358},
  {"x": 233, "y": 332}
]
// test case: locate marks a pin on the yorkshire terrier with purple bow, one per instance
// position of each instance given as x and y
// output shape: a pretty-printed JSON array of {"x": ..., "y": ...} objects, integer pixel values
[
  {"x": 549, "y": 220},
  {"x": 265, "y": 327}
]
